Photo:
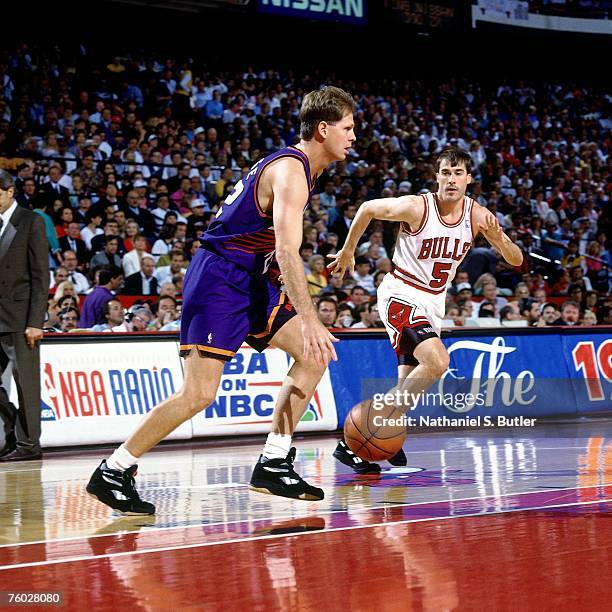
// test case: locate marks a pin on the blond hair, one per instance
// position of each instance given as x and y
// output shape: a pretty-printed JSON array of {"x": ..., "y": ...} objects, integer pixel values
[{"x": 328, "y": 104}]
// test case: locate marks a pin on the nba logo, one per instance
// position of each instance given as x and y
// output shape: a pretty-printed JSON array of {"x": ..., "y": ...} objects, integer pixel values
[
  {"x": 467, "y": 223},
  {"x": 209, "y": 338}
]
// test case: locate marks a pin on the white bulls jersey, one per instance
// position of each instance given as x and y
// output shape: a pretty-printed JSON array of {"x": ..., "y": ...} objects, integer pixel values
[
  {"x": 413, "y": 296},
  {"x": 427, "y": 258}
]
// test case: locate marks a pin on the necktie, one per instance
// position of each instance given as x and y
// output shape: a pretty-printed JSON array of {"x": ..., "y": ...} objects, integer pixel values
[{"x": 1, "y": 224}]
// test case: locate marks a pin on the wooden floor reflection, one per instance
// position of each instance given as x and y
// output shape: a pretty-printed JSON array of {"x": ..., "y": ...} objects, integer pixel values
[{"x": 479, "y": 520}]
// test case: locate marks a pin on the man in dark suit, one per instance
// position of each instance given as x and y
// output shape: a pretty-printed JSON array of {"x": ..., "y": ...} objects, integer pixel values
[
  {"x": 142, "y": 216},
  {"x": 143, "y": 282},
  {"x": 24, "y": 288},
  {"x": 72, "y": 242},
  {"x": 342, "y": 225},
  {"x": 53, "y": 187},
  {"x": 28, "y": 191}
]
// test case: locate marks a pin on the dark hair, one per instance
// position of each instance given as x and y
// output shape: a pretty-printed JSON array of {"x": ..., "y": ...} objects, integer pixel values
[
  {"x": 166, "y": 297},
  {"x": 486, "y": 304},
  {"x": 66, "y": 298},
  {"x": 361, "y": 309},
  {"x": 62, "y": 313},
  {"x": 378, "y": 273},
  {"x": 107, "y": 274},
  {"x": 106, "y": 307},
  {"x": 40, "y": 201},
  {"x": 484, "y": 314},
  {"x": 455, "y": 157},
  {"x": 602, "y": 313},
  {"x": 91, "y": 213},
  {"x": 60, "y": 212},
  {"x": 324, "y": 298},
  {"x": 525, "y": 304},
  {"x": 573, "y": 288},
  {"x": 155, "y": 307},
  {"x": 504, "y": 312},
  {"x": 6, "y": 180},
  {"x": 166, "y": 232},
  {"x": 344, "y": 306},
  {"x": 328, "y": 104}
]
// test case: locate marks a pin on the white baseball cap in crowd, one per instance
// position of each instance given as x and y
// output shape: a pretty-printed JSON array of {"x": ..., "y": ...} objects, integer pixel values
[{"x": 405, "y": 186}]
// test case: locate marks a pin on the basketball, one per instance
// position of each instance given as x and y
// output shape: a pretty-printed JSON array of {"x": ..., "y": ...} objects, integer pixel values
[{"x": 371, "y": 433}]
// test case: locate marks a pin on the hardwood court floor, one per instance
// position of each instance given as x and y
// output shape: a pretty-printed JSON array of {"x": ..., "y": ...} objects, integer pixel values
[{"x": 505, "y": 520}]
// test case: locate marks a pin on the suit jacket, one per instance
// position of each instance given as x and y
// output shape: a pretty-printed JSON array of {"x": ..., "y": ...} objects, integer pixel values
[
  {"x": 339, "y": 227},
  {"x": 63, "y": 195},
  {"x": 81, "y": 251},
  {"x": 24, "y": 201},
  {"x": 97, "y": 244},
  {"x": 143, "y": 217},
  {"x": 133, "y": 285},
  {"x": 24, "y": 272}
]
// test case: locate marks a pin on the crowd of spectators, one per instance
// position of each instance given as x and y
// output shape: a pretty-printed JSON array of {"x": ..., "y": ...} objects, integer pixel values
[{"x": 128, "y": 159}]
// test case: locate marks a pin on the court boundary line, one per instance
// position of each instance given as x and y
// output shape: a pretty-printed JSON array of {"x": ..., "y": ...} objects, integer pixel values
[
  {"x": 451, "y": 450},
  {"x": 276, "y": 536},
  {"x": 152, "y": 528}
]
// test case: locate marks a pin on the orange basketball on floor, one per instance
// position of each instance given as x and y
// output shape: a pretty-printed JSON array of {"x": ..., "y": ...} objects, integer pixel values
[{"x": 371, "y": 434}]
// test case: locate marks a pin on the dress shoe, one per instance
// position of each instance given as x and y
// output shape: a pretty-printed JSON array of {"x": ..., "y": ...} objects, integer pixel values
[{"x": 21, "y": 455}]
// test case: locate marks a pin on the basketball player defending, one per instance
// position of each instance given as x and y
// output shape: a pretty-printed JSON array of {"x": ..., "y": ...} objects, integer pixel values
[
  {"x": 436, "y": 232},
  {"x": 232, "y": 294}
]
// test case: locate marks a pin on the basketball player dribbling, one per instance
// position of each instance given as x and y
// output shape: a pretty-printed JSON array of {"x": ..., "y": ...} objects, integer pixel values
[
  {"x": 436, "y": 232},
  {"x": 232, "y": 294}
]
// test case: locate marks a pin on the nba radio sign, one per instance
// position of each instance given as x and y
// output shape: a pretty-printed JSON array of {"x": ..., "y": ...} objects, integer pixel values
[{"x": 97, "y": 392}]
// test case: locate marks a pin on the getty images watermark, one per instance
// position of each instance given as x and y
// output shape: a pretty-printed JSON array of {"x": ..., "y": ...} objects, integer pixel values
[{"x": 457, "y": 402}]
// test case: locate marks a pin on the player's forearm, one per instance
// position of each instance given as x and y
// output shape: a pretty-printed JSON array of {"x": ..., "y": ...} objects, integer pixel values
[
  {"x": 292, "y": 271},
  {"x": 358, "y": 226},
  {"x": 510, "y": 251}
]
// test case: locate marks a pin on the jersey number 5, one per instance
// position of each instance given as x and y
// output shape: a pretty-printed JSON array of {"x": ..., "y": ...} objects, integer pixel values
[{"x": 440, "y": 274}]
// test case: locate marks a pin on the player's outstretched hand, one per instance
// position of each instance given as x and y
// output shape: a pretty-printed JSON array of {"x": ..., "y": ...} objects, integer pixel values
[
  {"x": 491, "y": 226},
  {"x": 343, "y": 261},
  {"x": 318, "y": 341}
]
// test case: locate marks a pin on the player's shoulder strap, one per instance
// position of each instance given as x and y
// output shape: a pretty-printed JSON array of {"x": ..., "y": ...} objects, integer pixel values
[{"x": 406, "y": 229}]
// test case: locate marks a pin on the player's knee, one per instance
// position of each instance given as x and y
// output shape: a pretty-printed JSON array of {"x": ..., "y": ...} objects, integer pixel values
[
  {"x": 438, "y": 363},
  {"x": 313, "y": 367},
  {"x": 195, "y": 402}
]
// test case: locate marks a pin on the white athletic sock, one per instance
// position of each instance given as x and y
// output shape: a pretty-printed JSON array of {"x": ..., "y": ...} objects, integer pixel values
[
  {"x": 277, "y": 446},
  {"x": 121, "y": 459}
]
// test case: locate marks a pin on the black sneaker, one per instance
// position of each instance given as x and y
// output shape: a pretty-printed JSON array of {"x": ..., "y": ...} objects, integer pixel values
[
  {"x": 399, "y": 458},
  {"x": 346, "y": 456},
  {"x": 116, "y": 489},
  {"x": 277, "y": 477}
]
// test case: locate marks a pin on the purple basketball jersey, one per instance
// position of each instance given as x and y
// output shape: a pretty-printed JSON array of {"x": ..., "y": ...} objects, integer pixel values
[{"x": 242, "y": 232}]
